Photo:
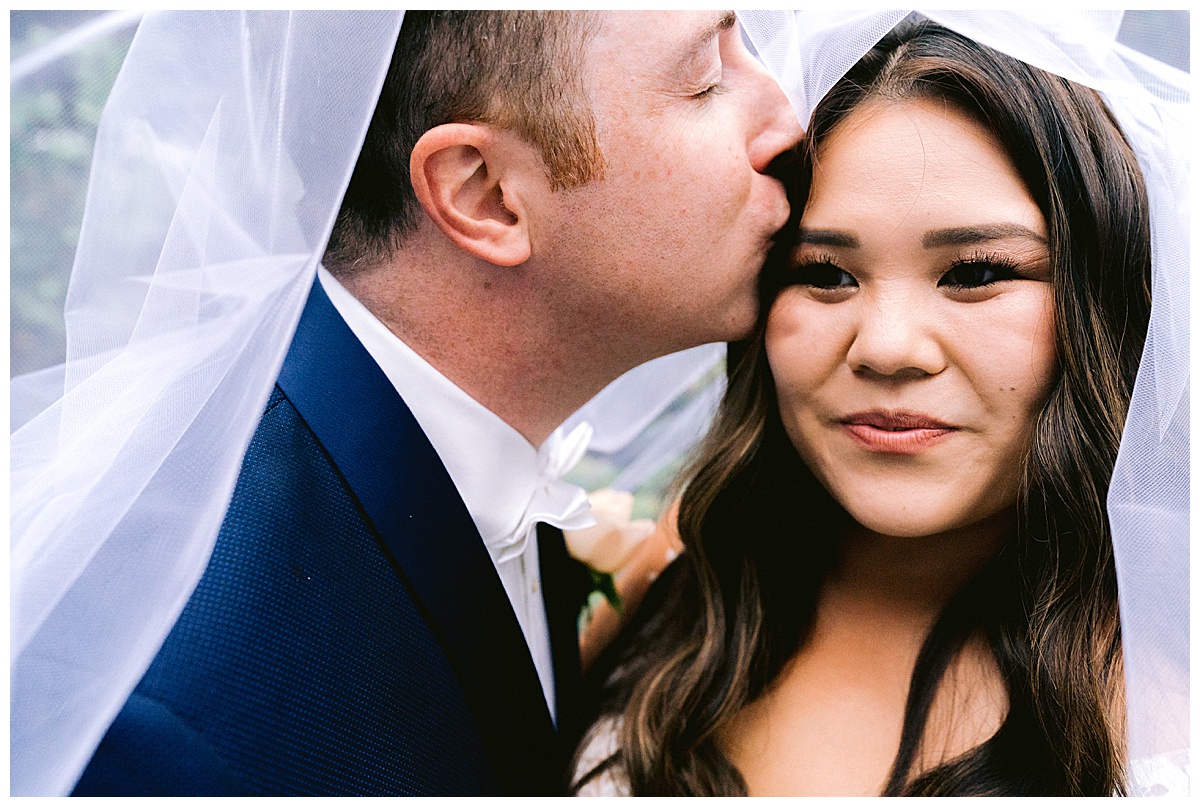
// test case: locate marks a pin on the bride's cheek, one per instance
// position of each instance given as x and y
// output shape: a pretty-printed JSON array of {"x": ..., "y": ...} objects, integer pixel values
[
  {"x": 800, "y": 348},
  {"x": 786, "y": 325}
]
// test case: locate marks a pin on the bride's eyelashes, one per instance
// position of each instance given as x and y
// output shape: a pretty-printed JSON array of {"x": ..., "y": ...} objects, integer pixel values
[
  {"x": 820, "y": 271},
  {"x": 979, "y": 270},
  {"x": 974, "y": 274}
]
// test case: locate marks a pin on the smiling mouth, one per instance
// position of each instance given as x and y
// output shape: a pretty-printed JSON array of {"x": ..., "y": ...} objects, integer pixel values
[{"x": 895, "y": 432}]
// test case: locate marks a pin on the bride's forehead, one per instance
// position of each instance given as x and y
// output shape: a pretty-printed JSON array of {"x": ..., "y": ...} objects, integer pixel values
[
  {"x": 909, "y": 150},
  {"x": 879, "y": 130}
]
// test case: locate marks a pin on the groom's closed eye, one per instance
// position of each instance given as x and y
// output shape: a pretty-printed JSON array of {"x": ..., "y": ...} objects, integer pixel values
[{"x": 698, "y": 68}]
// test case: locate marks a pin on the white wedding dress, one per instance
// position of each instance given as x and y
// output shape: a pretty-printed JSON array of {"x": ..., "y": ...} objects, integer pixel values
[
  {"x": 599, "y": 745},
  {"x": 1165, "y": 775}
]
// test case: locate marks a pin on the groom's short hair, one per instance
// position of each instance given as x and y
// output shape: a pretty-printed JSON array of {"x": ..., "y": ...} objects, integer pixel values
[{"x": 521, "y": 70}]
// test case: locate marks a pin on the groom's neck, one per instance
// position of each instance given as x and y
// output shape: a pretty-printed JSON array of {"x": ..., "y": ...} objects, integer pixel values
[{"x": 513, "y": 338}]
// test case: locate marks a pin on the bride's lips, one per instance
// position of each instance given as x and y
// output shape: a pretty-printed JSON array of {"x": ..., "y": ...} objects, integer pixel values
[{"x": 895, "y": 431}]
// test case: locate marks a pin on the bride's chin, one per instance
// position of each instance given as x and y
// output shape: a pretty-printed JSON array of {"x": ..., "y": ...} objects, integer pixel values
[
  {"x": 890, "y": 527},
  {"x": 906, "y": 517},
  {"x": 903, "y": 521}
]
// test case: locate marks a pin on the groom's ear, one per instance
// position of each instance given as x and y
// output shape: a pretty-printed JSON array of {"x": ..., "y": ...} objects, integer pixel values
[{"x": 472, "y": 180}]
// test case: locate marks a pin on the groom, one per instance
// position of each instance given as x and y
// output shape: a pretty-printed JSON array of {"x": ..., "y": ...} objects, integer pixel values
[{"x": 543, "y": 201}]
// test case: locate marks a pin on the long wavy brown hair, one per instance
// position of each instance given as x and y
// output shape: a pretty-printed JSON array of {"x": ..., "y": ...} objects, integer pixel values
[{"x": 725, "y": 618}]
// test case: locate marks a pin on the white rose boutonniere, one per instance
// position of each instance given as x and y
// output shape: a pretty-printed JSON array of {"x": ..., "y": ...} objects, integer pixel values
[{"x": 607, "y": 546}]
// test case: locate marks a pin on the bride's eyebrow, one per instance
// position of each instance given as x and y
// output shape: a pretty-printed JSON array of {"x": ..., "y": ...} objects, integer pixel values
[
  {"x": 960, "y": 236},
  {"x": 829, "y": 238}
]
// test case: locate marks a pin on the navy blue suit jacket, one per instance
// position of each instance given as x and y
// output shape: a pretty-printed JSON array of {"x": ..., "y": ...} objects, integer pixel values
[{"x": 350, "y": 634}]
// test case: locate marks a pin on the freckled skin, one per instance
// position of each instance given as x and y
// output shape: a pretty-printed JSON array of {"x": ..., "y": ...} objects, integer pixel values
[
  {"x": 590, "y": 281},
  {"x": 982, "y": 360},
  {"x": 664, "y": 251}
]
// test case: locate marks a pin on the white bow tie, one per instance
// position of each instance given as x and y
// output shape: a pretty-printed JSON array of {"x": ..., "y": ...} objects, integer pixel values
[{"x": 554, "y": 502}]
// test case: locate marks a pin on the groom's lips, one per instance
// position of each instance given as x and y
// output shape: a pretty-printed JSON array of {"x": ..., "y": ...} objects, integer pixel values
[
  {"x": 782, "y": 215},
  {"x": 898, "y": 431},
  {"x": 785, "y": 169}
]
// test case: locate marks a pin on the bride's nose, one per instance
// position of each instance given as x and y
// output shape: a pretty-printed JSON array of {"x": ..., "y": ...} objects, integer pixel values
[{"x": 895, "y": 337}]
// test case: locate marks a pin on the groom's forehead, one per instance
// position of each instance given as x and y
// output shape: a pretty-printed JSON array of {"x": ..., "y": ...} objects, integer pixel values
[{"x": 663, "y": 40}]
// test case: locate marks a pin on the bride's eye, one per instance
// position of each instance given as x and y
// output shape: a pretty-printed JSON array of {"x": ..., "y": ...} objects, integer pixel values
[
  {"x": 975, "y": 273},
  {"x": 822, "y": 275}
]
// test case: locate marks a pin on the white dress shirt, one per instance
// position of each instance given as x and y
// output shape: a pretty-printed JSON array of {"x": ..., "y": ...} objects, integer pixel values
[{"x": 506, "y": 484}]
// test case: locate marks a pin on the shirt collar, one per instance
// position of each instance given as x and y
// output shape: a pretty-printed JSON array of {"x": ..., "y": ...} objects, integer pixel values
[{"x": 494, "y": 468}]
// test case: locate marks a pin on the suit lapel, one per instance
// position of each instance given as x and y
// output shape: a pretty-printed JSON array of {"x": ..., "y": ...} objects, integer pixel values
[
  {"x": 565, "y": 584},
  {"x": 408, "y": 496}
]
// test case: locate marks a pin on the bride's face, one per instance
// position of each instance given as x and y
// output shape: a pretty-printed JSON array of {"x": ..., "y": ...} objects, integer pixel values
[{"x": 914, "y": 346}]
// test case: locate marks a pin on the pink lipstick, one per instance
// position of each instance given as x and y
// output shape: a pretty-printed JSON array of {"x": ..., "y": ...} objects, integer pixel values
[{"x": 895, "y": 431}]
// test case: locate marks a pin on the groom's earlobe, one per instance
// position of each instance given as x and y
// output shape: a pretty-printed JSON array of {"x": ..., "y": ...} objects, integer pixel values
[{"x": 468, "y": 178}]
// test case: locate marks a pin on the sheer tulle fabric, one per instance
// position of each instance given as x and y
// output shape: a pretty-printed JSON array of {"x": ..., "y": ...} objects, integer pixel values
[
  {"x": 1149, "y": 497},
  {"x": 220, "y": 162},
  {"x": 219, "y": 166}
]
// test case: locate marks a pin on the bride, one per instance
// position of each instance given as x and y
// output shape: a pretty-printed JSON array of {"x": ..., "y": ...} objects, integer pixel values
[
  {"x": 899, "y": 574},
  {"x": 82, "y": 676}
]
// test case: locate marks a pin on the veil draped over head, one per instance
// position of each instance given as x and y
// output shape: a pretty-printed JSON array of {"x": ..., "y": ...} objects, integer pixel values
[
  {"x": 808, "y": 51},
  {"x": 219, "y": 166},
  {"x": 220, "y": 162}
]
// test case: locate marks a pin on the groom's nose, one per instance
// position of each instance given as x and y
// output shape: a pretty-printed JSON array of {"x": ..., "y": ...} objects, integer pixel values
[{"x": 778, "y": 130}]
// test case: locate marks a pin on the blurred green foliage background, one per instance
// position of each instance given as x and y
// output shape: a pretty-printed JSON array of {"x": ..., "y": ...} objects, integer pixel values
[{"x": 55, "y": 108}]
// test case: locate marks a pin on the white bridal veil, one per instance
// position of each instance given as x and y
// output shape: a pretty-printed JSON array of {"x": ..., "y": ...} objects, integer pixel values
[
  {"x": 1149, "y": 496},
  {"x": 220, "y": 162},
  {"x": 219, "y": 165}
]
